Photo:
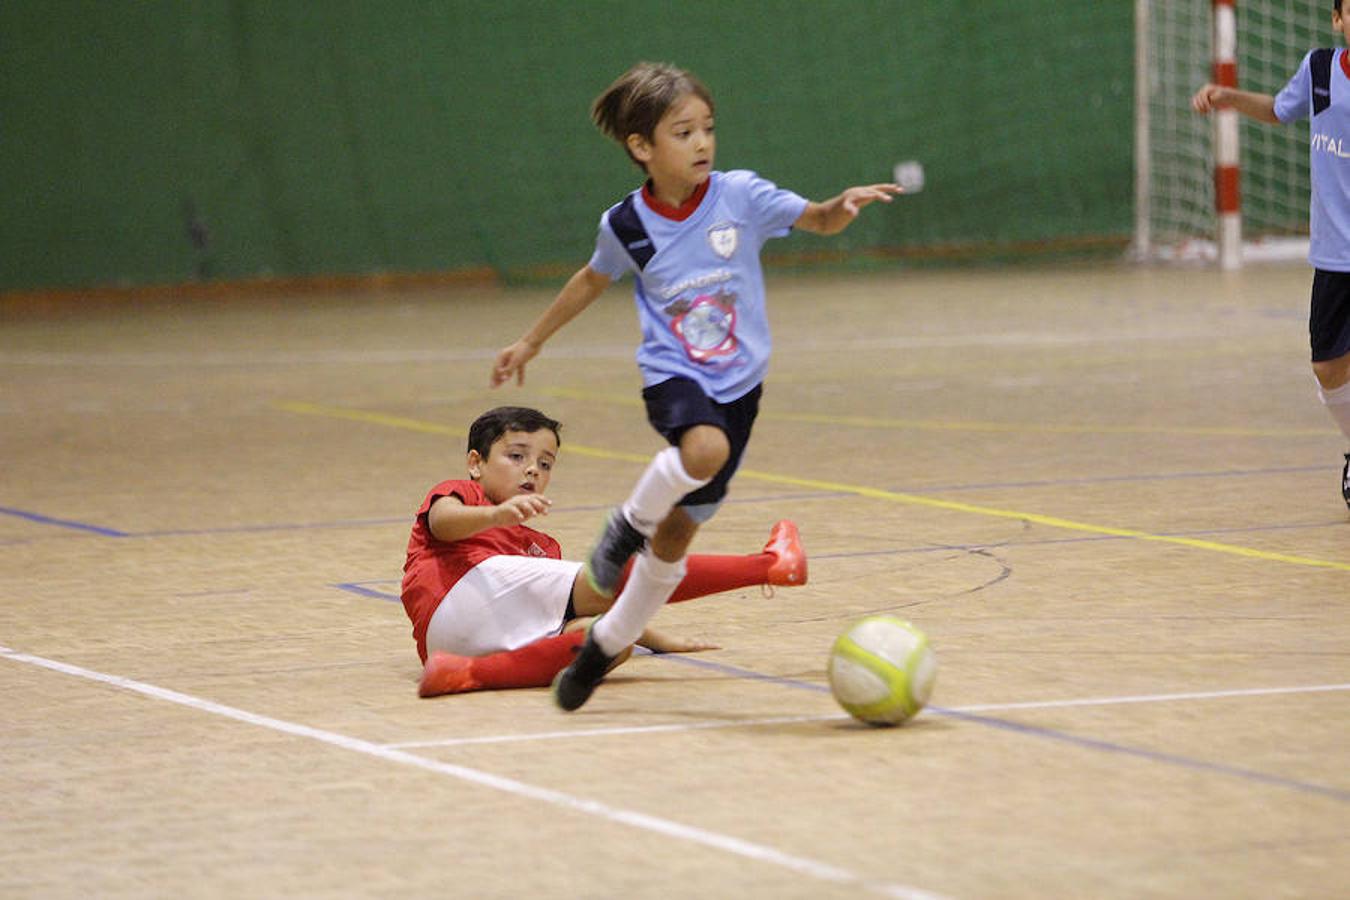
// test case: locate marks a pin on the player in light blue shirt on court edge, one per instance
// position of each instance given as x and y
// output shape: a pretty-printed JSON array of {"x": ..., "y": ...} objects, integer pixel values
[
  {"x": 1319, "y": 92},
  {"x": 691, "y": 238}
]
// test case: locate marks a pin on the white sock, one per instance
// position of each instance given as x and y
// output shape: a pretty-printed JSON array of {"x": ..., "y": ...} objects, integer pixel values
[
  {"x": 1338, "y": 404},
  {"x": 658, "y": 490},
  {"x": 649, "y": 586}
]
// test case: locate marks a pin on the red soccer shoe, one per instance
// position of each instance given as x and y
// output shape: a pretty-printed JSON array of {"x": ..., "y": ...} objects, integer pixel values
[
  {"x": 786, "y": 544},
  {"x": 446, "y": 673}
]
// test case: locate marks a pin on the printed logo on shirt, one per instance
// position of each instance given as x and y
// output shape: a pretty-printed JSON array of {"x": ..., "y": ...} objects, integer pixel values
[
  {"x": 1328, "y": 144},
  {"x": 723, "y": 238},
  {"x": 535, "y": 550},
  {"x": 706, "y": 326}
]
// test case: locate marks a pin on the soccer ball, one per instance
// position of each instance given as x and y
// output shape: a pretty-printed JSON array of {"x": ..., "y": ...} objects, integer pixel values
[{"x": 882, "y": 670}]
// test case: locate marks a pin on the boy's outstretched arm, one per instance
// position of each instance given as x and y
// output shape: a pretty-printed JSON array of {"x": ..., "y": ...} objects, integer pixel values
[
  {"x": 576, "y": 295},
  {"x": 837, "y": 213},
  {"x": 449, "y": 519},
  {"x": 1260, "y": 107}
]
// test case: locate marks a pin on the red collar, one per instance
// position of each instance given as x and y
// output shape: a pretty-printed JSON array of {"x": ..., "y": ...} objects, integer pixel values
[
  {"x": 685, "y": 209},
  {"x": 1345, "y": 62}
]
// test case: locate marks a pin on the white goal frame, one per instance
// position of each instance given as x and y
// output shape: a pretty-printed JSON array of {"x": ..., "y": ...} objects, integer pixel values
[{"x": 1190, "y": 171}]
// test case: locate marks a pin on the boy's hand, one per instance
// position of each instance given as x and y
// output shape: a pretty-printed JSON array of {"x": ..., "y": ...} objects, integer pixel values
[
  {"x": 521, "y": 508},
  {"x": 855, "y": 198},
  {"x": 511, "y": 361},
  {"x": 1207, "y": 99},
  {"x": 837, "y": 213},
  {"x": 657, "y": 642}
]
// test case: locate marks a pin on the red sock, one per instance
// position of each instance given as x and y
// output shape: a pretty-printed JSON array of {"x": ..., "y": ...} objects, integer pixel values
[
  {"x": 533, "y": 665},
  {"x": 707, "y": 574}
]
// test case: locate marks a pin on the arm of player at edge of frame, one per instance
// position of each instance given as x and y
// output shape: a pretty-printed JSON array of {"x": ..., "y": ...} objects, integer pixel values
[{"x": 1260, "y": 107}]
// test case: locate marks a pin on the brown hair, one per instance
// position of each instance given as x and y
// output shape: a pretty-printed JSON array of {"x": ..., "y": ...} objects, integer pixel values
[
  {"x": 638, "y": 98},
  {"x": 494, "y": 423}
]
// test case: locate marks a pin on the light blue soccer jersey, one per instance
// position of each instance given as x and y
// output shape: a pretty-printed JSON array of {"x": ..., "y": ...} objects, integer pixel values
[
  {"x": 1329, "y": 156},
  {"x": 699, "y": 286}
]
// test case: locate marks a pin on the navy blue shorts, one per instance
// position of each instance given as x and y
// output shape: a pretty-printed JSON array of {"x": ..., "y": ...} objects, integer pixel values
[
  {"x": 676, "y": 405},
  {"x": 1329, "y": 321}
]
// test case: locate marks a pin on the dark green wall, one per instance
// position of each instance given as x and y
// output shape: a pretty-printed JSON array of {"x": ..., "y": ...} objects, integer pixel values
[{"x": 354, "y": 137}]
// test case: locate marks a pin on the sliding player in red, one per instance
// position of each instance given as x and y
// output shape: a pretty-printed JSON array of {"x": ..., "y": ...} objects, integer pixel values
[{"x": 492, "y": 602}]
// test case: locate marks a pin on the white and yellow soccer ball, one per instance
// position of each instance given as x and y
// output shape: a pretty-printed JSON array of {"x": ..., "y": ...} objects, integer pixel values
[{"x": 882, "y": 670}]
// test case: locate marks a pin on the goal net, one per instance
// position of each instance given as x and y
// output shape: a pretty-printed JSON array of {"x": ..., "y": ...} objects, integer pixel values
[{"x": 1175, "y": 214}]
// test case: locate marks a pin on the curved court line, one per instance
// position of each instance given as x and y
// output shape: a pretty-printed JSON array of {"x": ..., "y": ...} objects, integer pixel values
[
  {"x": 315, "y": 409},
  {"x": 1039, "y": 519},
  {"x": 747, "y": 849}
]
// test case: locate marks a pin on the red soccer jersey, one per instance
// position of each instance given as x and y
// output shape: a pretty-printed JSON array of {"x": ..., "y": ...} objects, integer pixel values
[{"x": 433, "y": 566}]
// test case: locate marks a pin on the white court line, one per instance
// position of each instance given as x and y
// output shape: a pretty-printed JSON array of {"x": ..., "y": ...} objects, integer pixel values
[
  {"x": 605, "y": 732},
  {"x": 1156, "y": 698},
  {"x": 982, "y": 708},
  {"x": 757, "y": 852}
]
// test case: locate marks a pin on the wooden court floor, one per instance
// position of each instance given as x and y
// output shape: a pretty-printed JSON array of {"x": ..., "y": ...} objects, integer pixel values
[{"x": 1108, "y": 495}]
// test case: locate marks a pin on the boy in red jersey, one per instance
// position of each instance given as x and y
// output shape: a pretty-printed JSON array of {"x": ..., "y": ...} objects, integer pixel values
[{"x": 492, "y": 602}]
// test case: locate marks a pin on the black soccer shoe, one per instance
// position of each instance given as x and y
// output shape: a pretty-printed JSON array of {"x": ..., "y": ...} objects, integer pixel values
[
  {"x": 1345, "y": 481},
  {"x": 573, "y": 685},
  {"x": 617, "y": 543}
]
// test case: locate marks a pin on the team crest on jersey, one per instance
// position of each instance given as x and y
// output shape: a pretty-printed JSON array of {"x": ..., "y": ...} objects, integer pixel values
[
  {"x": 723, "y": 238},
  {"x": 536, "y": 550}
]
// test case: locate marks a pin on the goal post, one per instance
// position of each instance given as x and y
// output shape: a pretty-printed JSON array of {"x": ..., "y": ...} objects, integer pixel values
[{"x": 1220, "y": 188}]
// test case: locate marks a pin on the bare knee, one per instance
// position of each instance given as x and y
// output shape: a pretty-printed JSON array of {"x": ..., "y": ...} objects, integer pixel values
[
  {"x": 1332, "y": 373},
  {"x": 674, "y": 535},
  {"x": 704, "y": 450}
]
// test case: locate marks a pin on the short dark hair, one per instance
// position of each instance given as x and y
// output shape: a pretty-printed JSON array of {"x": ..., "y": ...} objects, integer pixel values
[
  {"x": 638, "y": 98},
  {"x": 494, "y": 423}
]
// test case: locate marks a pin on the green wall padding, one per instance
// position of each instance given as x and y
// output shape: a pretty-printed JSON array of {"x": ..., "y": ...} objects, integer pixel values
[{"x": 346, "y": 137}]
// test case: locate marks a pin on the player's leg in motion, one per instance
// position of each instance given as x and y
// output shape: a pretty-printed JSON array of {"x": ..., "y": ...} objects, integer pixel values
[
  {"x": 782, "y": 562},
  {"x": 1333, "y": 378},
  {"x": 628, "y": 528},
  {"x": 703, "y": 451},
  {"x": 1329, "y": 331}
]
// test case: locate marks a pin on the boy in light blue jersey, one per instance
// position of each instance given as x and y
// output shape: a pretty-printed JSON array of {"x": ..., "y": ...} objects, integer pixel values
[
  {"x": 1319, "y": 92},
  {"x": 691, "y": 237}
]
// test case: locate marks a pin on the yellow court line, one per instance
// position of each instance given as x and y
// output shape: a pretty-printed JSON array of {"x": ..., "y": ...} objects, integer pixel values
[
  {"x": 995, "y": 427},
  {"x": 1051, "y": 521},
  {"x": 373, "y": 418}
]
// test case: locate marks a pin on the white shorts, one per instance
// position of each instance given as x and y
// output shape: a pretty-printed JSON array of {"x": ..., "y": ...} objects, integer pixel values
[{"x": 503, "y": 603}]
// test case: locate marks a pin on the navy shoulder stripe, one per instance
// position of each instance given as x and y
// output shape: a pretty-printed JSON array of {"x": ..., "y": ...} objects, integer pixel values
[
  {"x": 1320, "y": 66},
  {"x": 628, "y": 229}
]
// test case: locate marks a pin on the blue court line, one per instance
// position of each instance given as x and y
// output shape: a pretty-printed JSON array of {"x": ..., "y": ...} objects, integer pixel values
[
  {"x": 1173, "y": 759},
  {"x": 1145, "y": 753},
  {"x": 302, "y": 526},
  {"x": 61, "y": 523},
  {"x": 359, "y": 588},
  {"x": 775, "y": 498}
]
